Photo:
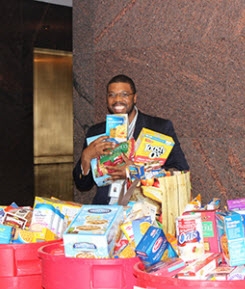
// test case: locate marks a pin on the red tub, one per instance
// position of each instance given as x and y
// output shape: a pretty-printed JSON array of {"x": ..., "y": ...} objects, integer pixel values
[
  {"x": 149, "y": 281},
  {"x": 60, "y": 272},
  {"x": 20, "y": 266}
]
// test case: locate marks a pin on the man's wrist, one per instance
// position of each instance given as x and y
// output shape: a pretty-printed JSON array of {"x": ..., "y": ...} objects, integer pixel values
[{"x": 83, "y": 173}]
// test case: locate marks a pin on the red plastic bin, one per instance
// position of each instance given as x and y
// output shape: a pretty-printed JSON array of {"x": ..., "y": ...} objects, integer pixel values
[
  {"x": 20, "y": 266},
  {"x": 148, "y": 281},
  {"x": 61, "y": 272}
]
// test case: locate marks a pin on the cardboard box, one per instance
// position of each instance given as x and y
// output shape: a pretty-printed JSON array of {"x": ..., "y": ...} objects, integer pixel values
[
  {"x": 67, "y": 208},
  {"x": 209, "y": 227},
  {"x": 237, "y": 274},
  {"x": 202, "y": 267},
  {"x": 94, "y": 231},
  {"x": 231, "y": 237},
  {"x": 117, "y": 126},
  {"x": 151, "y": 145},
  {"x": 154, "y": 246},
  {"x": 6, "y": 233},
  {"x": 167, "y": 268}
]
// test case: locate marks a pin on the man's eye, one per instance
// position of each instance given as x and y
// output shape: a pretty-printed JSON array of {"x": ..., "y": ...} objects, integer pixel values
[{"x": 125, "y": 94}]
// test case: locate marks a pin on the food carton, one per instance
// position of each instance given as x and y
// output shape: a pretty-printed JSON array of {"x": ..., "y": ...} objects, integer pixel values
[
  {"x": 209, "y": 227},
  {"x": 201, "y": 268},
  {"x": 231, "y": 237},
  {"x": 98, "y": 165},
  {"x": 67, "y": 208},
  {"x": 154, "y": 246},
  {"x": 94, "y": 231},
  {"x": 151, "y": 145},
  {"x": 117, "y": 126},
  {"x": 236, "y": 204},
  {"x": 237, "y": 274},
  {"x": 221, "y": 272},
  {"x": 6, "y": 233},
  {"x": 167, "y": 268}
]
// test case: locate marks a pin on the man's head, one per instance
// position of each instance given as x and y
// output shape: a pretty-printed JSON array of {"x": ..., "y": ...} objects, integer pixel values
[{"x": 121, "y": 96}]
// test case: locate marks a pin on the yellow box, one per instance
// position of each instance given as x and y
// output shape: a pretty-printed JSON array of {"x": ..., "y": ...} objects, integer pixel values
[
  {"x": 152, "y": 146},
  {"x": 24, "y": 236}
]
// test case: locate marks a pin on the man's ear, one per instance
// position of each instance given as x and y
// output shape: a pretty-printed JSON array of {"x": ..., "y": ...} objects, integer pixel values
[{"x": 135, "y": 98}]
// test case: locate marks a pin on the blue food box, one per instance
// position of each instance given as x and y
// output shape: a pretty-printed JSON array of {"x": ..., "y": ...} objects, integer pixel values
[
  {"x": 93, "y": 232},
  {"x": 6, "y": 233},
  {"x": 231, "y": 237},
  {"x": 117, "y": 126},
  {"x": 154, "y": 246}
]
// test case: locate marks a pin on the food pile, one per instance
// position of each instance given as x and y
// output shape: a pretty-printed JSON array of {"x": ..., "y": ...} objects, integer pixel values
[{"x": 45, "y": 221}]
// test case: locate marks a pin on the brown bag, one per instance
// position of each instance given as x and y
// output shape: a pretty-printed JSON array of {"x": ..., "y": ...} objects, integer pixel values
[{"x": 176, "y": 194}]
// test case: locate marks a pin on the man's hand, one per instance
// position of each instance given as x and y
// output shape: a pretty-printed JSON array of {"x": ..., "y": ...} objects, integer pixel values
[
  {"x": 97, "y": 148},
  {"x": 119, "y": 172}
]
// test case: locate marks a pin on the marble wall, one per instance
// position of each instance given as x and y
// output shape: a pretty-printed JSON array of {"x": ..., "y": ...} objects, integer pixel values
[{"x": 187, "y": 60}]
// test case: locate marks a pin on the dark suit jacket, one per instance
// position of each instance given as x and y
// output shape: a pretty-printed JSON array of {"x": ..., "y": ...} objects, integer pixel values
[{"x": 175, "y": 160}]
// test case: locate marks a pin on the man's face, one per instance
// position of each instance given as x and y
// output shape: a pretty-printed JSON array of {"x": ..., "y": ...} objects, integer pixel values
[{"x": 120, "y": 99}]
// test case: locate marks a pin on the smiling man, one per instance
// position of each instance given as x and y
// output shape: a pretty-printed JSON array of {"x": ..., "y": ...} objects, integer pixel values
[{"x": 121, "y": 99}]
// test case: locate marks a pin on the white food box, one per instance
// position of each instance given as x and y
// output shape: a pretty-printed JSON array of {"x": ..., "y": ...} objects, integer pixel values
[{"x": 93, "y": 232}]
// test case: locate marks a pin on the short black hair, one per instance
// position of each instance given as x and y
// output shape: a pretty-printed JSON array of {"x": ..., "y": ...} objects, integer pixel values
[{"x": 122, "y": 78}]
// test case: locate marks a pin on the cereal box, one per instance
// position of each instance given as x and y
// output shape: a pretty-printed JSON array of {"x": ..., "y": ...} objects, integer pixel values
[
  {"x": 117, "y": 126},
  {"x": 190, "y": 237},
  {"x": 94, "y": 232},
  {"x": 231, "y": 237},
  {"x": 209, "y": 228},
  {"x": 151, "y": 145}
]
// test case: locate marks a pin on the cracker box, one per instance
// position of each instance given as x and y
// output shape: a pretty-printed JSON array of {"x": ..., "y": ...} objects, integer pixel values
[
  {"x": 117, "y": 127},
  {"x": 154, "y": 246},
  {"x": 94, "y": 231},
  {"x": 168, "y": 268},
  {"x": 231, "y": 237},
  {"x": 151, "y": 145},
  {"x": 202, "y": 267},
  {"x": 67, "y": 208},
  {"x": 209, "y": 227}
]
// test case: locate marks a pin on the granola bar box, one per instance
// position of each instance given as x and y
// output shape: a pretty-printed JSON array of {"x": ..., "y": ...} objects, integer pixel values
[{"x": 93, "y": 232}]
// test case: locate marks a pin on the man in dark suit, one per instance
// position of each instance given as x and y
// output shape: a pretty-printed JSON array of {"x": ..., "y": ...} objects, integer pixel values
[{"x": 121, "y": 99}]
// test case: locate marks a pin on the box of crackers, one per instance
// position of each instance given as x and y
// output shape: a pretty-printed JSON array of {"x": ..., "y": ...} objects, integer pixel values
[{"x": 94, "y": 232}]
